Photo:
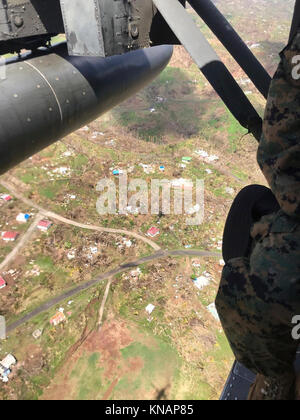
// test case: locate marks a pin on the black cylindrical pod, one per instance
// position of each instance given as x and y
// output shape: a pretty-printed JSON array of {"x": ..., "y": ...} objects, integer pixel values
[{"x": 46, "y": 97}]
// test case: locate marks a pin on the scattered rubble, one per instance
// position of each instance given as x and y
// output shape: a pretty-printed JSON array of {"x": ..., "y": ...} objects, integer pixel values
[
  {"x": 132, "y": 210},
  {"x": 230, "y": 191},
  {"x": 35, "y": 272},
  {"x": 97, "y": 134},
  {"x": 160, "y": 99},
  {"x": 196, "y": 263},
  {"x": 148, "y": 169},
  {"x": 135, "y": 274},
  {"x": 201, "y": 282},
  {"x": 68, "y": 153},
  {"x": 37, "y": 334},
  {"x": 213, "y": 310},
  {"x": 58, "y": 318},
  {"x": 70, "y": 197},
  {"x": 150, "y": 308},
  {"x": 62, "y": 171},
  {"x": 110, "y": 143},
  {"x": 186, "y": 159},
  {"x": 194, "y": 209},
  {"x": 5, "y": 367},
  {"x": 71, "y": 255},
  {"x": 206, "y": 157},
  {"x": 254, "y": 46}
]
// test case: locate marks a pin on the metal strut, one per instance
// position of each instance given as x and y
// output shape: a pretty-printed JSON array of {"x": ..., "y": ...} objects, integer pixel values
[
  {"x": 233, "y": 43},
  {"x": 191, "y": 37}
]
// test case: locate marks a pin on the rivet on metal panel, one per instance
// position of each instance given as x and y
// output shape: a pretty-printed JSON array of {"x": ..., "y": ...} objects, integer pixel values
[{"x": 18, "y": 21}]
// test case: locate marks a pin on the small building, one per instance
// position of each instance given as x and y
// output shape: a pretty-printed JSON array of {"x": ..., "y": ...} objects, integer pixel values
[
  {"x": 37, "y": 334},
  {"x": 2, "y": 283},
  {"x": 117, "y": 172},
  {"x": 23, "y": 218},
  {"x": 5, "y": 367},
  {"x": 201, "y": 282},
  {"x": 186, "y": 159},
  {"x": 150, "y": 308},
  {"x": 9, "y": 236},
  {"x": 153, "y": 232},
  {"x": 58, "y": 319},
  {"x": 6, "y": 197},
  {"x": 44, "y": 225}
]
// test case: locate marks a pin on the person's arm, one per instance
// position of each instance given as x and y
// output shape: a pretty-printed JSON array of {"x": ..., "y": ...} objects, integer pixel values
[{"x": 279, "y": 150}]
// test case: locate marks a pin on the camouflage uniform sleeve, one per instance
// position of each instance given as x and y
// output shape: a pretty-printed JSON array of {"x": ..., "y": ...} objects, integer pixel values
[
  {"x": 253, "y": 309},
  {"x": 279, "y": 150}
]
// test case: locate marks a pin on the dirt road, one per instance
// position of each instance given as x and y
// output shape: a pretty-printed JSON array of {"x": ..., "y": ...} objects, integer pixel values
[
  {"x": 12, "y": 189},
  {"x": 22, "y": 242},
  {"x": 159, "y": 254}
]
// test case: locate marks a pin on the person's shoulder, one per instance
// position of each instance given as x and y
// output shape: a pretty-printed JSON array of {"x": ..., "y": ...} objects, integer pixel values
[
  {"x": 262, "y": 228},
  {"x": 283, "y": 223}
]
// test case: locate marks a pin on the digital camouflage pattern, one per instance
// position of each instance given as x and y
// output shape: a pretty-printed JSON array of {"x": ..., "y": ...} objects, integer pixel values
[
  {"x": 279, "y": 150},
  {"x": 259, "y": 295}
]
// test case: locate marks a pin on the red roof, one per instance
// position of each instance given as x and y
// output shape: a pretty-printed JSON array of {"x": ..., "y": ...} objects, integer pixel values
[
  {"x": 153, "y": 231},
  {"x": 45, "y": 223},
  {"x": 58, "y": 318},
  {"x": 10, "y": 235},
  {"x": 7, "y": 198},
  {"x": 2, "y": 282}
]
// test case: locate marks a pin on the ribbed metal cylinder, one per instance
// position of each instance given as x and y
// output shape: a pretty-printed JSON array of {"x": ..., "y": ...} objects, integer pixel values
[{"x": 44, "y": 98}]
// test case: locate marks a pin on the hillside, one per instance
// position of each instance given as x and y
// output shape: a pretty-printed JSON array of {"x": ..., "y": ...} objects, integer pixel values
[{"x": 178, "y": 351}]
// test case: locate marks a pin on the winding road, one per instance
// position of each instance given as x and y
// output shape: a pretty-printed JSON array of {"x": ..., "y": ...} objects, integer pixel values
[
  {"x": 159, "y": 254},
  {"x": 12, "y": 189},
  {"x": 23, "y": 241}
]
